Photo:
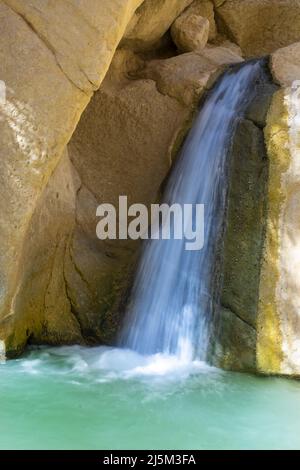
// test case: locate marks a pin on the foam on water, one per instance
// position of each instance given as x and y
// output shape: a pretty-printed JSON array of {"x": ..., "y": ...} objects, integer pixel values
[{"x": 109, "y": 364}]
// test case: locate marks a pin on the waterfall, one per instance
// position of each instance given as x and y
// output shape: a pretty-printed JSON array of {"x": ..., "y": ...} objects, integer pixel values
[{"x": 173, "y": 298}]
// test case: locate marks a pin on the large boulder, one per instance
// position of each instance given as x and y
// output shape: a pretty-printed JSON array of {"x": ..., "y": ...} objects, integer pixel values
[
  {"x": 187, "y": 76},
  {"x": 124, "y": 145},
  {"x": 258, "y": 325},
  {"x": 279, "y": 305},
  {"x": 53, "y": 56},
  {"x": 190, "y": 32},
  {"x": 259, "y": 26},
  {"x": 151, "y": 21},
  {"x": 235, "y": 337},
  {"x": 192, "y": 29},
  {"x": 204, "y": 8},
  {"x": 285, "y": 65}
]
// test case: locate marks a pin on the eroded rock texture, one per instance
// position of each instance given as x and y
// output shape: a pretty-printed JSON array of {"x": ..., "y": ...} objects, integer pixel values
[
  {"x": 259, "y": 26},
  {"x": 151, "y": 21},
  {"x": 53, "y": 55},
  {"x": 124, "y": 145},
  {"x": 279, "y": 318},
  {"x": 285, "y": 65},
  {"x": 59, "y": 284},
  {"x": 245, "y": 236}
]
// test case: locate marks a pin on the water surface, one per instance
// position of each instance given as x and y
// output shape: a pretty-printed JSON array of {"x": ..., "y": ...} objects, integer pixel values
[{"x": 101, "y": 398}]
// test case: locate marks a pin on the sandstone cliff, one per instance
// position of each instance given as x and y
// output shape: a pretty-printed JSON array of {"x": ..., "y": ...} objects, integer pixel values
[{"x": 100, "y": 95}]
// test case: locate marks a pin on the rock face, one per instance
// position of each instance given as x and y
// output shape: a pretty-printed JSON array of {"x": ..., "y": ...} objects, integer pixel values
[
  {"x": 190, "y": 32},
  {"x": 245, "y": 236},
  {"x": 58, "y": 283},
  {"x": 279, "y": 319},
  {"x": 42, "y": 297},
  {"x": 151, "y": 21},
  {"x": 187, "y": 76},
  {"x": 50, "y": 67},
  {"x": 258, "y": 328},
  {"x": 259, "y": 26},
  {"x": 123, "y": 135},
  {"x": 285, "y": 65},
  {"x": 205, "y": 8}
]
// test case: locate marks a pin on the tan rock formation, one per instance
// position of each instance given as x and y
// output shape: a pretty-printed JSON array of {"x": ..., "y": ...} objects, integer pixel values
[
  {"x": 190, "y": 32},
  {"x": 204, "y": 8},
  {"x": 42, "y": 311},
  {"x": 59, "y": 284},
  {"x": 243, "y": 251},
  {"x": 279, "y": 317},
  {"x": 187, "y": 76},
  {"x": 124, "y": 144},
  {"x": 50, "y": 66},
  {"x": 285, "y": 65},
  {"x": 259, "y": 26},
  {"x": 45, "y": 278},
  {"x": 151, "y": 21}
]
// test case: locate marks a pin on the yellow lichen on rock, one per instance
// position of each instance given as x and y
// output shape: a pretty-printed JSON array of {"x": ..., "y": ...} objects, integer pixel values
[{"x": 269, "y": 328}]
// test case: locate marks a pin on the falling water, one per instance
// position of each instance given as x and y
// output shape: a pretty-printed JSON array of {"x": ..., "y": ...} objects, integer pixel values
[{"x": 173, "y": 296}]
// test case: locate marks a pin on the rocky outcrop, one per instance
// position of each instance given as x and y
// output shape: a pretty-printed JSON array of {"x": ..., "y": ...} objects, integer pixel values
[
  {"x": 123, "y": 135},
  {"x": 187, "y": 76},
  {"x": 51, "y": 66},
  {"x": 259, "y": 26},
  {"x": 279, "y": 319},
  {"x": 190, "y": 32},
  {"x": 205, "y": 8},
  {"x": 59, "y": 284},
  {"x": 259, "y": 324},
  {"x": 244, "y": 237},
  {"x": 151, "y": 21},
  {"x": 285, "y": 65}
]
